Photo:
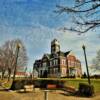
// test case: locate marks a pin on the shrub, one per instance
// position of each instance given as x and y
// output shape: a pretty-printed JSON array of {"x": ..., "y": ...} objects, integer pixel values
[
  {"x": 16, "y": 85},
  {"x": 19, "y": 84},
  {"x": 86, "y": 90}
]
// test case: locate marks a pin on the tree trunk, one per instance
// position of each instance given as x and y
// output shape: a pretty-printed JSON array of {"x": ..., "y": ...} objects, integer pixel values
[
  {"x": 3, "y": 72},
  {"x": 9, "y": 74}
]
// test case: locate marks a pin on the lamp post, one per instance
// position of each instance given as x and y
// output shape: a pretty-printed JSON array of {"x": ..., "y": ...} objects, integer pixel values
[
  {"x": 67, "y": 68},
  {"x": 17, "y": 51},
  {"x": 84, "y": 49}
]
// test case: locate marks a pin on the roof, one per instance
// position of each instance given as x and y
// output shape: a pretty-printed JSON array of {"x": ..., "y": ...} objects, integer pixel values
[
  {"x": 66, "y": 53},
  {"x": 48, "y": 55},
  {"x": 37, "y": 61},
  {"x": 55, "y": 41},
  {"x": 20, "y": 73},
  {"x": 63, "y": 53},
  {"x": 72, "y": 57}
]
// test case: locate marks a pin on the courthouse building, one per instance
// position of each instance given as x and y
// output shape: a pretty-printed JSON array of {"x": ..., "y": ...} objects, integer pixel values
[{"x": 57, "y": 64}]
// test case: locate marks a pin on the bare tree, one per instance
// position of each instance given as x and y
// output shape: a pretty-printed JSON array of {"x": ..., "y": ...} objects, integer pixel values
[
  {"x": 9, "y": 49},
  {"x": 96, "y": 62},
  {"x": 9, "y": 56},
  {"x": 85, "y": 15},
  {"x": 3, "y": 63}
]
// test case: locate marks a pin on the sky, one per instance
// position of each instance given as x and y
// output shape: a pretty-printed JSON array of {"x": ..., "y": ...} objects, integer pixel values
[{"x": 36, "y": 24}]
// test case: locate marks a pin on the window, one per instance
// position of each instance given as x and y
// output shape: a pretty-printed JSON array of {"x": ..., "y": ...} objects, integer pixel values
[
  {"x": 44, "y": 64},
  {"x": 72, "y": 63},
  {"x": 64, "y": 71},
  {"x": 56, "y": 62},
  {"x": 50, "y": 63},
  {"x": 72, "y": 71},
  {"x": 63, "y": 62},
  {"x": 56, "y": 71}
]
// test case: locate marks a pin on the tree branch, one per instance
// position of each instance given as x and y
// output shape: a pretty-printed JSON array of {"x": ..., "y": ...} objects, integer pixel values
[
  {"x": 72, "y": 10},
  {"x": 84, "y": 22}
]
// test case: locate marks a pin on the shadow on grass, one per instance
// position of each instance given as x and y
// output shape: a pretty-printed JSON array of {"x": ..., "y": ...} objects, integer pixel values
[
  {"x": 4, "y": 89},
  {"x": 76, "y": 94},
  {"x": 22, "y": 92},
  {"x": 67, "y": 94}
]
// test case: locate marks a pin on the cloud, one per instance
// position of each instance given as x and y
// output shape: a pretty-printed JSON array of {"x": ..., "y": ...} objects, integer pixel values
[
  {"x": 38, "y": 38},
  {"x": 74, "y": 42},
  {"x": 36, "y": 25}
]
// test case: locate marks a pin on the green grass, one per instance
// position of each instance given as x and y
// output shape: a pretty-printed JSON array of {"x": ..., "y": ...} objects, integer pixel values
[
  {"x": 75, "y": 82},
  {"x": 5, "y": 83}
]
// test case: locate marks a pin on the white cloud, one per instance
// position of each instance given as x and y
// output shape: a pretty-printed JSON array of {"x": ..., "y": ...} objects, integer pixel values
[
  {"x": 38, "y": 38},
  {"x": 74, "y": 42}
]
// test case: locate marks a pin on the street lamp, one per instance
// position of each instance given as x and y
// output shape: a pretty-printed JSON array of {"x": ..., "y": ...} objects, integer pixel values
[
  {"x": 67, "y": 67},
  {"x": 17, "y": 51},
  {"x": 84, "y": 49}
]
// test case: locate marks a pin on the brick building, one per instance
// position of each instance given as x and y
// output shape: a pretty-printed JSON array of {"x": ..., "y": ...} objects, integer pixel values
[{"x": 57, "y": 64}]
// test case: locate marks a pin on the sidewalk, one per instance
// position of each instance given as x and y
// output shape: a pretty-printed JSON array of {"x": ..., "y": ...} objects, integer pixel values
[{"x": 39, "y": 95}]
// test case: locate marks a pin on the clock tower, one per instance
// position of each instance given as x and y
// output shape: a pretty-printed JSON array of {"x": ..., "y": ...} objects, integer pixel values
[{"x": 55, "y": 46}]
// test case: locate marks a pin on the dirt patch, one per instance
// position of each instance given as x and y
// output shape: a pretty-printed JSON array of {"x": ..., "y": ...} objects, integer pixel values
[{"x": 39, "y": 95}]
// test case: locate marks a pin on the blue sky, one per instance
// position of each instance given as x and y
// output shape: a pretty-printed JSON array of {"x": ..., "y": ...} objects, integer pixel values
[{"x": 35, "y": 23}]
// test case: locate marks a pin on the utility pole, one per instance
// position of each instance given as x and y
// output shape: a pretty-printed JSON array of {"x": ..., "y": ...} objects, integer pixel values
[{"x": 84, "y": 49}]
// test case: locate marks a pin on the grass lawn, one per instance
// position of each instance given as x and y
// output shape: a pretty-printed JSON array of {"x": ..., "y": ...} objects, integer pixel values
[
  {"x": 5, "y": 83},
  {"x": 75, "y": 82}
]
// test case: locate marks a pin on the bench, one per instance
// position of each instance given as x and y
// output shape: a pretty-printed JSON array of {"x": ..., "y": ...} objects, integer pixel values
[
  {"x": 51, "y": 86},
  {"x": 29, "y": 88}
]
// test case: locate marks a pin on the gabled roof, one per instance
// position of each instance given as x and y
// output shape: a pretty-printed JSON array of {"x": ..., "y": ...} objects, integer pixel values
[
  {"x": 47, "y": 55},
  {"x": 63, "y": 53},
  {"x": 66, "y": 53},
  {"x": 37, "y": 61}
]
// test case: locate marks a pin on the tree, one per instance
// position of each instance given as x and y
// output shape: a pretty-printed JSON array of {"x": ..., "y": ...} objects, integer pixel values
[
  {"x": 85, "y": 15},
  {"x": 9, "y": 49},
  {"x": 2, "y": 63},
  {"x": 84, "y": 75},
  {"x": 96, "y": 62}
]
